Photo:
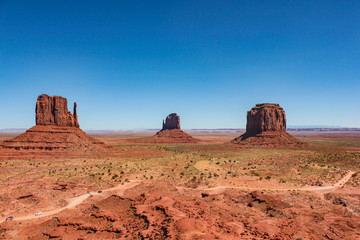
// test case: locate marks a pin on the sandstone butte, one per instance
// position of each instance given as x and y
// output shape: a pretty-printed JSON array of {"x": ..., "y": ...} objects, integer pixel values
[
  {"x": 56, "y": 129},
  {"x": 52, "y": 110},
  {"x": 266, "y": 126},
  {"x": 172, "y": 133}
]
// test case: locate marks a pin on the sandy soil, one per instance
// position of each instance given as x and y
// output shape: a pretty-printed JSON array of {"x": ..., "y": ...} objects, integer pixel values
[{"x": 209, "y": 190}]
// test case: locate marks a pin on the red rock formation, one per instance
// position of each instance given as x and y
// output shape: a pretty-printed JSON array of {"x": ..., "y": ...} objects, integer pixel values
[
  {"x": 171, "y": 122},
  {"x": 265, "y": 117},
  {"x": 52, "y": 110},
  {"x": 56, "y": 129},
  {"x": 171, "y": 132},
  {"x": 174, "y": 136},
  {"x": 266, "y": 125},
  {"x": 49, "y": 137}
]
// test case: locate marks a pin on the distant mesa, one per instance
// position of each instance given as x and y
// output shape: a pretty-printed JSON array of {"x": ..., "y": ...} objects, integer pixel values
[
  {"x": 266, "y": 125},
  {"x": 172, "y": 133},
  {"x": 56, "y": 129}
]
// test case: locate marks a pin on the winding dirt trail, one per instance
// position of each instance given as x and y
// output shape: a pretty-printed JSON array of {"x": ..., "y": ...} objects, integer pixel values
[
  {"x": 339, "y": 183},
  {"x": 73, "y": 202}
]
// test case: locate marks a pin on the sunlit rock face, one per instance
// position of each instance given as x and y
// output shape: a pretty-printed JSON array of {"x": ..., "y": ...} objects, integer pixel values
[
  {"x": 265, "y": 117},
  {"x": 52, "y": 110},
  {"x": 266, "y": 126}
]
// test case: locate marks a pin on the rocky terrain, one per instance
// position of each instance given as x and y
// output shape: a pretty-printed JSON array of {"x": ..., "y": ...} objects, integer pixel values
[
  {"x": 174, "y": 136},
  {"x": 266, "y": 126},
  {"x": 160, "y": 210}
]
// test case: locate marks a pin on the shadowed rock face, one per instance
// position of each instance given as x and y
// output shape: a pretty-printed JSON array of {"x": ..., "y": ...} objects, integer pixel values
[
  {"x": 52, "y": 110},
  {"x": 265, "y": 117},
  {"x": 171, "y": 122}
]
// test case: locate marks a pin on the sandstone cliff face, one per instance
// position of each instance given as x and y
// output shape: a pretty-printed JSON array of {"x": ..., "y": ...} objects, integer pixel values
[
  {"x": 171, "y": 122},
  {"x": 52, "y": 110},
  {"x": 265, "y": 117}
]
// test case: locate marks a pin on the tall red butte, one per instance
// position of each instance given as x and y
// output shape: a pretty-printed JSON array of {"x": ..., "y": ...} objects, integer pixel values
[
  {"x": 52, "y": 110},
  {"x": 172, "y": 133},
  {"x": 56, "y": 129},
  {"x": 266, "y": 125}
]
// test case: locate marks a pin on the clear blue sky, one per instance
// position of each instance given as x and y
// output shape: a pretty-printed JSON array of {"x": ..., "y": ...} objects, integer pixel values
[{"x": 130, "y": 63}]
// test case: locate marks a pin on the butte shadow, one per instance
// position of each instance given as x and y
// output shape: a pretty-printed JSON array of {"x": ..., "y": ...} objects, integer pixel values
[
  {"x": 266, "y": 126},
  {"x": 56, "y": 129}
]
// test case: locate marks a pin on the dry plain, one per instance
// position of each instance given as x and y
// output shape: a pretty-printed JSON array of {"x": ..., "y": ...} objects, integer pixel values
[{"x": 212, "y": 189}]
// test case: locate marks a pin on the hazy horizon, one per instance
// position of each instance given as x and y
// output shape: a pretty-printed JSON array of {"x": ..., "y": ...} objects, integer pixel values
[{"x": 20, "y": 130}]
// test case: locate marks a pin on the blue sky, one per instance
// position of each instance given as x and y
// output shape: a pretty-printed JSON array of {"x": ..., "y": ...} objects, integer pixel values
[{"x": 130, "y": 63}]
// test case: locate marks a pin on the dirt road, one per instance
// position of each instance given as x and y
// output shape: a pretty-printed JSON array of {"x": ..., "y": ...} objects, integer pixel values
[
  {"x": 339, "y": 183},
  {"x": 73, "y": 202}
]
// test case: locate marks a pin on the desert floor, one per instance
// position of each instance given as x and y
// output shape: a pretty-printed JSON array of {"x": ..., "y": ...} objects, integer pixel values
[{"x": 209, "y": 190}]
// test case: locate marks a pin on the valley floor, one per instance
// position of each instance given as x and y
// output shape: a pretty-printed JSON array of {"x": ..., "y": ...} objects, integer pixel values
[{"x": 207, "y": 190}]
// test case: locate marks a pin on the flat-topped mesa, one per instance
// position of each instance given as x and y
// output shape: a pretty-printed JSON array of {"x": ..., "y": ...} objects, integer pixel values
[
  {"x": 171, "y": 122},
  {"x": 265, "y": 117},
  {"x": 52, "y": 110},
  {"x": 266, "y": 126}
]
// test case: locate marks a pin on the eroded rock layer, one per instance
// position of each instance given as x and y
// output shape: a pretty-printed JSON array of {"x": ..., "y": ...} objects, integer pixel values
[
  {"x": 174, "y": 136},
  {"x": 54, "y": 138}
]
